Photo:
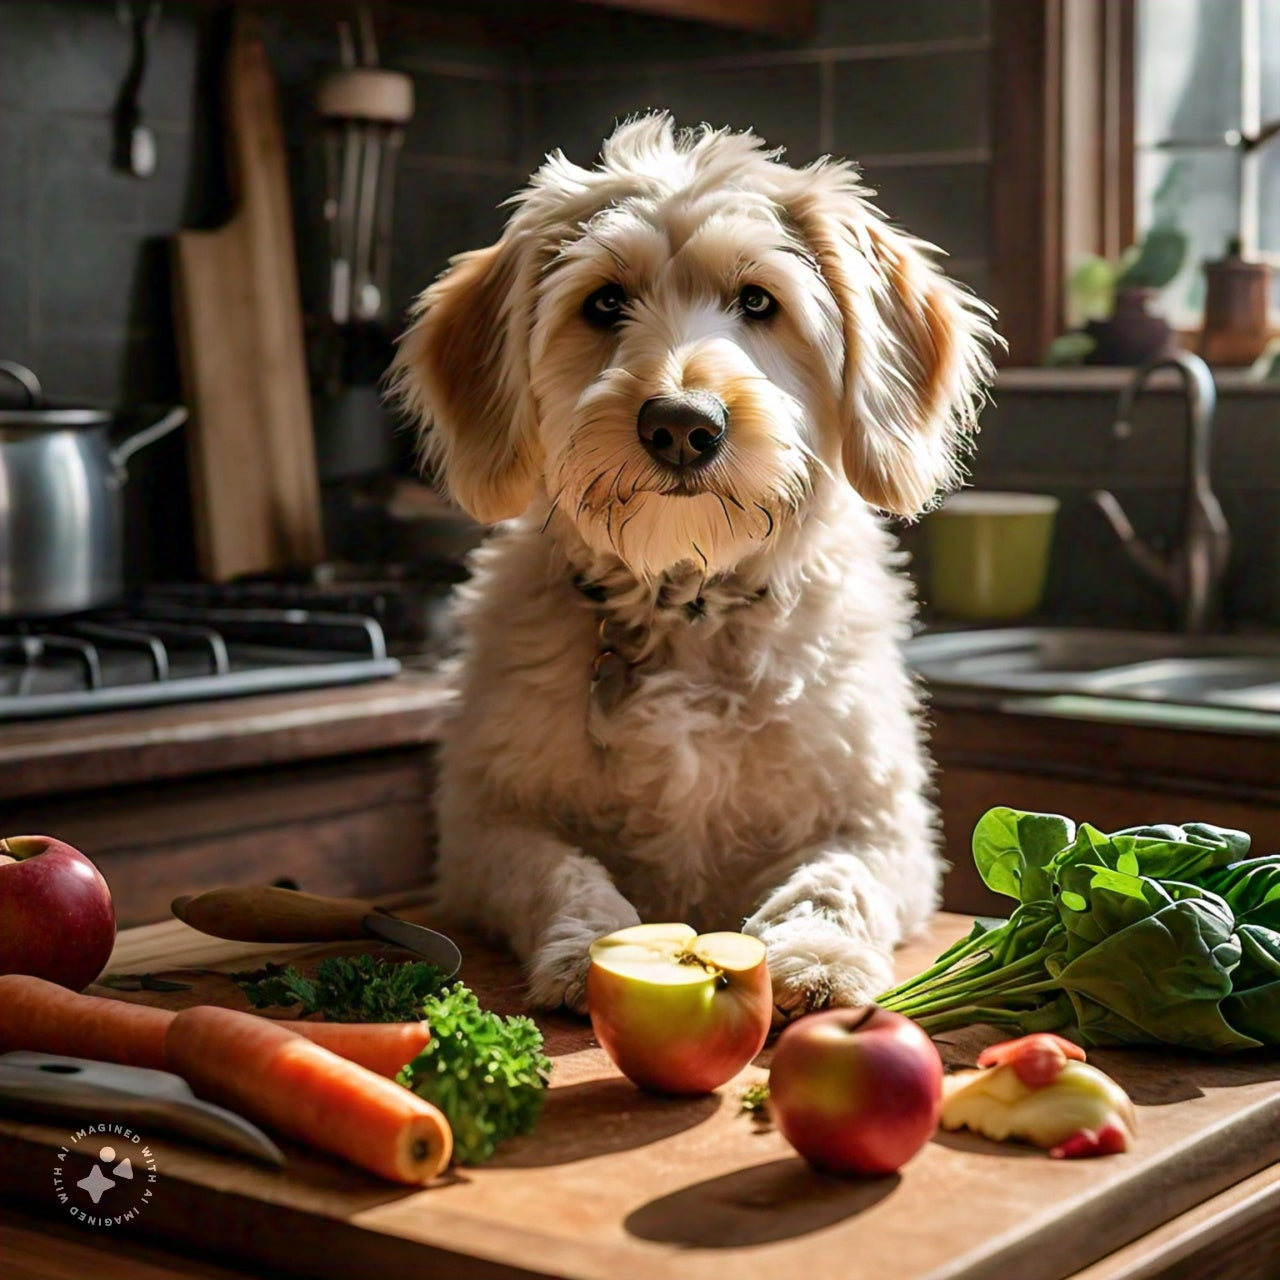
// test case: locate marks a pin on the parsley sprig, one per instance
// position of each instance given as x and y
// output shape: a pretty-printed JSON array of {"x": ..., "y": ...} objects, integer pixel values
[
  {"x": 347, "y": 989},
  {"x": 487, "y": 1073},
  {"x": 754, "y": 1101}
]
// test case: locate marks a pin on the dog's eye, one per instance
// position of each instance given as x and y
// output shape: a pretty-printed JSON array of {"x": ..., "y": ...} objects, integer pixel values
[
  {"x": 756, "y": 303},
  {"x": 604, "y": 307}
]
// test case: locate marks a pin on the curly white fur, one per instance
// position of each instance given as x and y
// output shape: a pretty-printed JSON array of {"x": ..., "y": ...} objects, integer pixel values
[{"x": 684, "y": 698}]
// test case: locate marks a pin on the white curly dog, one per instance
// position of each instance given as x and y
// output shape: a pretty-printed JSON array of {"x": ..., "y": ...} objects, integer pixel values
[{"x": 684, "y": 384}]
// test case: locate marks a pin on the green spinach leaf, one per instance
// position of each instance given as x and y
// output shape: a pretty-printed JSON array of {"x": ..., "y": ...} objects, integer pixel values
[
  {"x": 1096, "y": 902},
  {"x": 1012, "y": 850},
  {"x": 1255, "y": 1012},
  {"x": 1259, "y": 956},
  {"x": 1252, "y": 888},
  {"x": 1161, "y": 965},
  {"x": 1152, "y": 935},
  {"x": 1225, "y": 843},
  {"x": 1162, "y": 852}
]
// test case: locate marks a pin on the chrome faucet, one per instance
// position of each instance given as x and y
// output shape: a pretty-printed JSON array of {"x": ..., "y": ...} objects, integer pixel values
[{"x": 1191, "y": 571}]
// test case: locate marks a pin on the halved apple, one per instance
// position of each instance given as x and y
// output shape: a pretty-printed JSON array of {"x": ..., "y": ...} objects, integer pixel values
[{"x": 678, "y": 1011}]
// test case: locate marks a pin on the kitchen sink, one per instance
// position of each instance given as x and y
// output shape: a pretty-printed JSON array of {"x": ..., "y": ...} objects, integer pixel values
[{"x": 1150, "y": 666}]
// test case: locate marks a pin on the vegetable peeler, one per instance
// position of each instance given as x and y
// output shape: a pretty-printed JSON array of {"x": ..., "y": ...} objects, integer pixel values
[{"x": 268, "y": 913}]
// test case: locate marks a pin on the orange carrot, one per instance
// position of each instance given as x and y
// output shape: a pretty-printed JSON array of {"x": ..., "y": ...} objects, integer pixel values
[
  {"x": 47, "y": 1018},
  {"x": 382, "y": 1047},
  {"x": 280, "y": 1079}
]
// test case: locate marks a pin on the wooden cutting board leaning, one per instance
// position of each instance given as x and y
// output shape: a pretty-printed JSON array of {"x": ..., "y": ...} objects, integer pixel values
[
  {"x": 238, "y": 313},
  {"x": 617, "y": 1183}
]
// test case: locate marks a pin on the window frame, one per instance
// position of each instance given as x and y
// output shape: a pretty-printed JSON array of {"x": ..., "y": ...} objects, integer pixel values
[{"x": 1062, "y": 155}]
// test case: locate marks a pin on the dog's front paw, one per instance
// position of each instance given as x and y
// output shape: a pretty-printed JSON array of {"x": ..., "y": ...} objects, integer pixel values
[
  {"x": 558, "y": 978},
  {"x": 558, "y": 968},
  {"x": 815, "y": 965}
]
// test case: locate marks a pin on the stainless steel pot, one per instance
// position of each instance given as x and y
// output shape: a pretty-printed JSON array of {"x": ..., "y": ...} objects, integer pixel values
[{"x": 61, "y": 512}]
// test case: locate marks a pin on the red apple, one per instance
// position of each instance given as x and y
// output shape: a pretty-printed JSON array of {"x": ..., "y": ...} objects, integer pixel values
[
  {"x": 678, "y": 1012},
  {"x": 56, "y": 917},
  {"x": 855, "y": 1090}
]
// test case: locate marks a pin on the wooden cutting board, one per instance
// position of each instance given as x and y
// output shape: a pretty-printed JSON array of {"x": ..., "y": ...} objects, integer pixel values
[
  {"x": 238, "y": 312},
  {"x": 616, "y": 1184}
]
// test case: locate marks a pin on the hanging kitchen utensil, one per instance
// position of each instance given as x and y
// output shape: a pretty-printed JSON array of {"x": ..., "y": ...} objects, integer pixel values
[
  {"x": 135, "y": 143},
  {"x": 364, "y": 109},
  {"x": 266, "y": 913},
  {"x": 81, "y": 1089}
]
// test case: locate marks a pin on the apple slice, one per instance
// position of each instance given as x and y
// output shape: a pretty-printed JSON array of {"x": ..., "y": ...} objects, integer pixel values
[{"x": 678, "y": 1011}]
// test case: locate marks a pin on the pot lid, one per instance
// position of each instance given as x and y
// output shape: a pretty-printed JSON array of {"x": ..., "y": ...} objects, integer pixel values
[
  {"x": 36, "y": 414},
  {"x": 53, "y": 419}
]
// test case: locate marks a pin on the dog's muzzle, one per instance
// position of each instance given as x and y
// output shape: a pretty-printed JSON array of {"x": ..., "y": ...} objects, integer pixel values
[{"x": 684, "y": 430}]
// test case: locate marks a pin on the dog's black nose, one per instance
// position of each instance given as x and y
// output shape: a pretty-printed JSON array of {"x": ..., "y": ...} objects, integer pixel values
[{"x": 683, "y": 430}]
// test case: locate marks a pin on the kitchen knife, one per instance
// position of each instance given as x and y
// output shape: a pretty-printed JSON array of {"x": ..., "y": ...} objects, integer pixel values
[
  {"x": 87, "y": 1091},
  {"x": 267, "y": 913}
]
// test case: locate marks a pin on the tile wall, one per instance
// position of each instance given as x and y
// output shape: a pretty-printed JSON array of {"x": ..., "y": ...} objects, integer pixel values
[
  {"x": 84, "y": 287},
  {"x": 899, "y": 84}
]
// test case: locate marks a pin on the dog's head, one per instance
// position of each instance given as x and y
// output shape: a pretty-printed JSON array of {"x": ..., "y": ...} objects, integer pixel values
[{"x": 678, "y": 343}]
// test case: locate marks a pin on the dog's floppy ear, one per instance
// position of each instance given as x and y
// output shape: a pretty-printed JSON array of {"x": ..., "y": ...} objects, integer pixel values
[
  {"x": 915, "y": 359},
  {"x": 463, "y": 372}
]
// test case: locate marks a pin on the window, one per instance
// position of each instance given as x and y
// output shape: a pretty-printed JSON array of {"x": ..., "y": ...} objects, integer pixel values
[
  {"x": 1207, "y": 111},
  {"x": 1110, "y": 115}
]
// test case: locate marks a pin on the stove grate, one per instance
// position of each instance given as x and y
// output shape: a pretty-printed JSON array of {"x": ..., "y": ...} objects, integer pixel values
[{"x": 171, "y": 652}]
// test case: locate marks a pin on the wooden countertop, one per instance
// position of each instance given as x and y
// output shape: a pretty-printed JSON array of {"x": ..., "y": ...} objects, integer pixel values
[
  {"x": 119, "y": 748},
  {"x": 616, "y": 1183}
]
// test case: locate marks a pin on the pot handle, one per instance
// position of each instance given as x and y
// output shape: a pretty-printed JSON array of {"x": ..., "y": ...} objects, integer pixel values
[
  {"x": 25, "y": 379},
  {"x": 125, "y": 450}
]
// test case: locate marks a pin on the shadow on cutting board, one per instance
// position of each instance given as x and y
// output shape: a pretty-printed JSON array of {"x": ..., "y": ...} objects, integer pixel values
[
  {"x": 758, "y": 1205},
  {"x": 598, "y": 1117}
]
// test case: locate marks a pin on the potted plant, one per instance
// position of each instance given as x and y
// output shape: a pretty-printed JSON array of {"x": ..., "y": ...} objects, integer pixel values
[{"x": 1109, "y": 301}]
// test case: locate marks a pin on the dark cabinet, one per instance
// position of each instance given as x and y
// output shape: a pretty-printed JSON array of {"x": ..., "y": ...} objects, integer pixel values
[{"x": 1109, "y": 774}]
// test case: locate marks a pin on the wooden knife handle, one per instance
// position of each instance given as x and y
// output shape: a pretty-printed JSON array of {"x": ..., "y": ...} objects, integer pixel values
[{"x": 266, "y": 913}]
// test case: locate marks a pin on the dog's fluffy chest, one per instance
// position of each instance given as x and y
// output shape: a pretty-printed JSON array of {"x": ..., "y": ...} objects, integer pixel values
[
  {"x": 634, "y": 721},
  {"x": 713, "y": 742},
  {"x": 681, "y": 778}
]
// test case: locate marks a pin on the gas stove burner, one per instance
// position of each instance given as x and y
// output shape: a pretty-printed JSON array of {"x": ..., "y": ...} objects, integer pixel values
[
  {"x": 409, "y": 602},
  {"x": 178, "y": 642},
  {"x": 174, "y": 652}
]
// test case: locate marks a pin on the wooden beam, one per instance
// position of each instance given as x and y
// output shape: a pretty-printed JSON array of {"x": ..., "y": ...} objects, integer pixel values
[
  {"x": 1062, "y": 109},
  {"x": 1026, "y": 168},
  {"x": 1097, "y": 125},
  {"x": 1120, "y": 80}
]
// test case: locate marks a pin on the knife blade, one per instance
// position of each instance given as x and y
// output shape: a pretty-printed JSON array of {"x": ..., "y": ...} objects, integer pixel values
[
  {"x": 268, "y": 913},
  {"x": 83, "y": 1089}
]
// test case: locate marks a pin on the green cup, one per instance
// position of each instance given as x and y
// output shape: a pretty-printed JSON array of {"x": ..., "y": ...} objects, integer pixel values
[{"x": 989, "y": 554}]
